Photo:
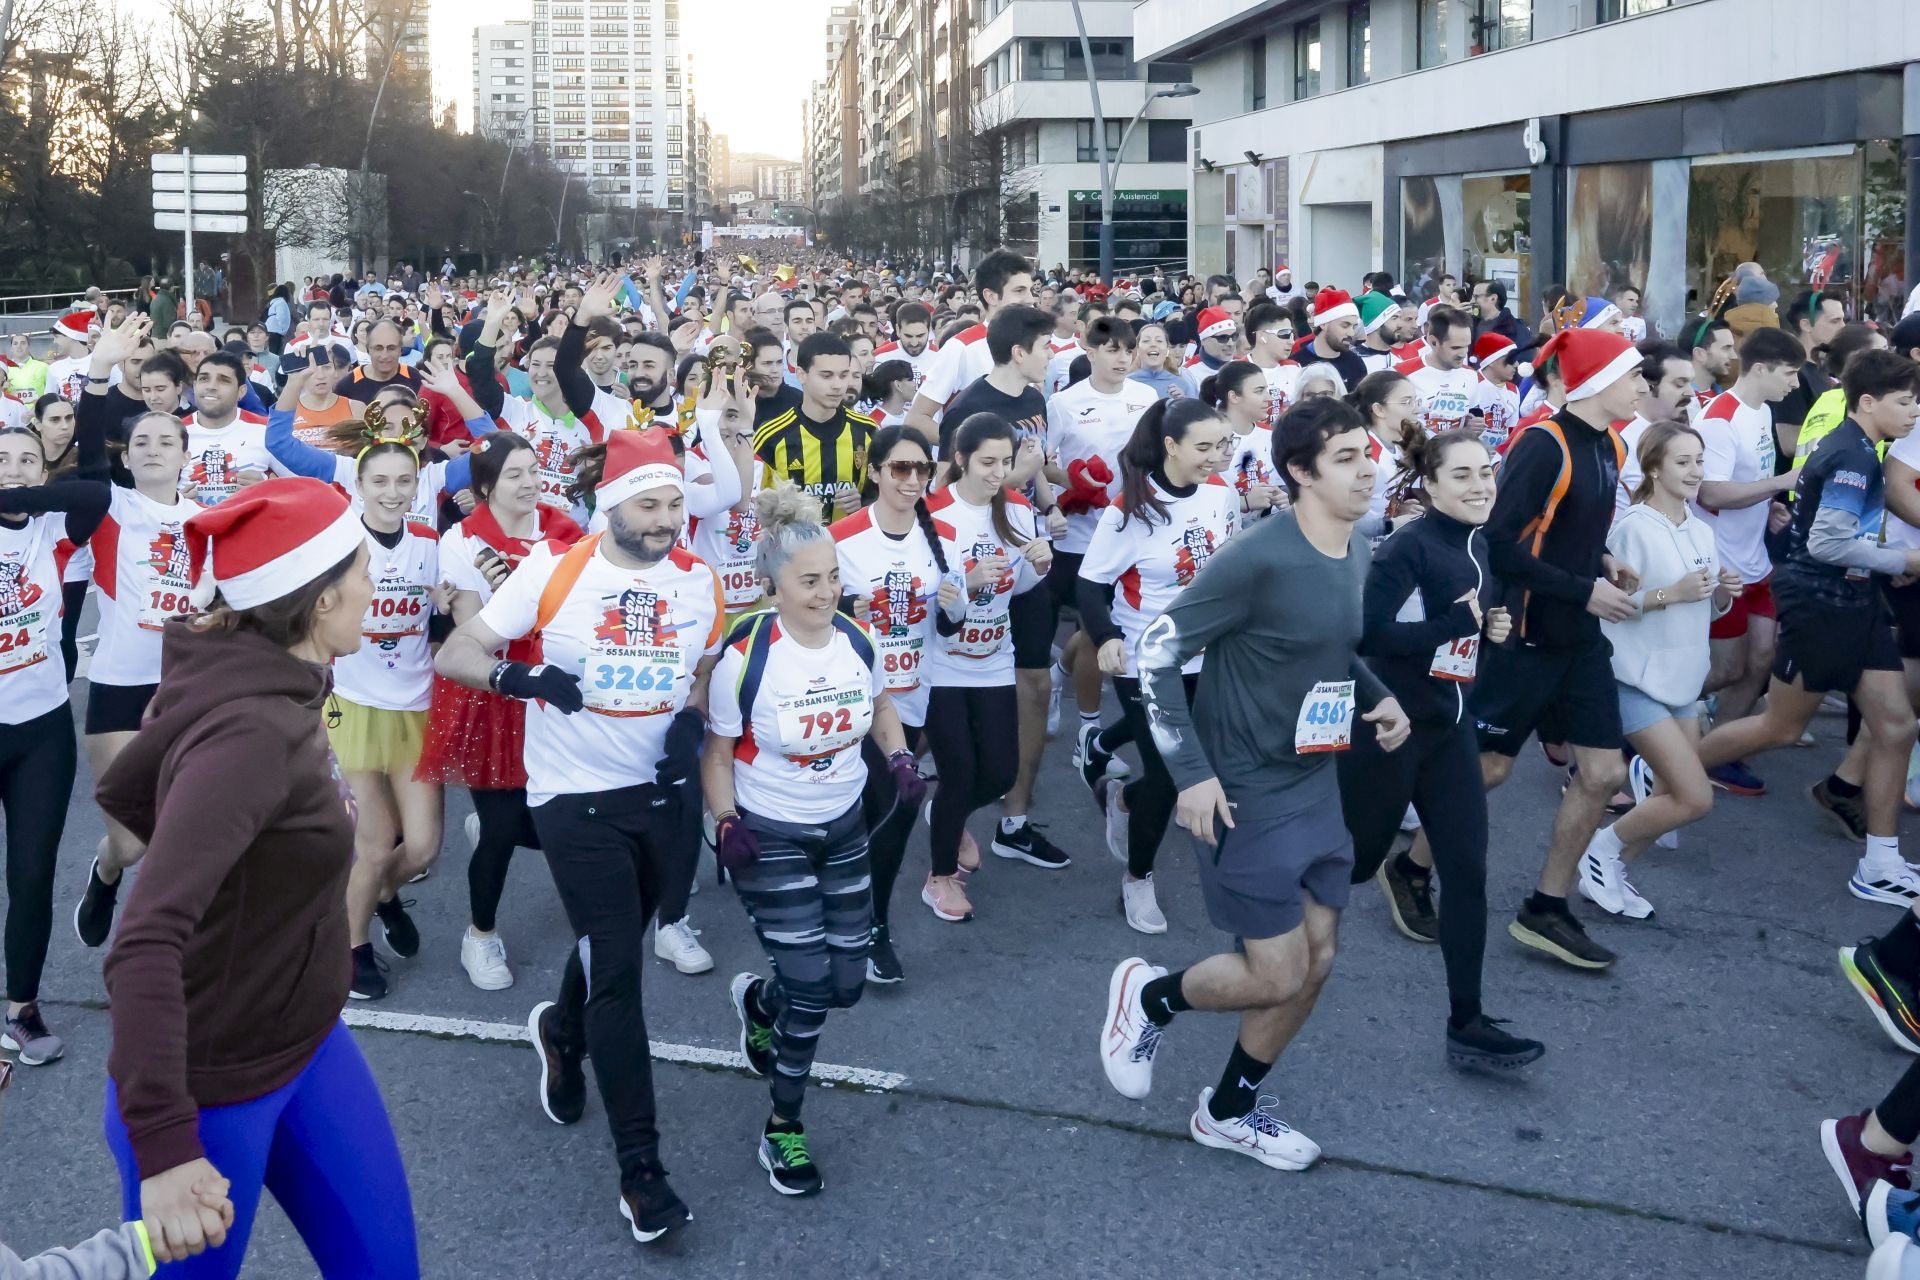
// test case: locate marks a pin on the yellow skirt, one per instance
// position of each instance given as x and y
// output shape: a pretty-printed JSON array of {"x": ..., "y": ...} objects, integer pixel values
[{"x": 371, "y": 740}]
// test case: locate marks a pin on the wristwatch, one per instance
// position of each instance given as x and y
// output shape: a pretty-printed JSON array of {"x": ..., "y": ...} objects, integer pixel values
[{"x": 1660, "y": 598}]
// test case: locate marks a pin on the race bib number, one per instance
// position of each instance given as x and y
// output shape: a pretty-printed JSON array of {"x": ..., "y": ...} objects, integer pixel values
[
  {"x": 900, "y": 661},
  {"x": 631, "y": 682},
  {"x": 1446, "y": 409},
  {"x": 163, "y": 604},
  {"x": 23, "y": 619},
  {"x": 1457, "y": 660},
  {"x": 980, "y": 638},
  {"x": 398, "y": 609},
  {"x": 739, "y": 585},
  {"x": 1326, "y": 718},
  {"x": 818, "y": 725},
  {"x": 167, "y": 581}
]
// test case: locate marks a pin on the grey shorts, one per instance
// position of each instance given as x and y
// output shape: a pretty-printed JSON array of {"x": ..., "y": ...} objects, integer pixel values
[
  {"x": 1642, "y": 711},
  {"x": 1254, "y": 880}
]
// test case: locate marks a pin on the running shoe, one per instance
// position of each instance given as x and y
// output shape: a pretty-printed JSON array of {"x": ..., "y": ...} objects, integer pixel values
[
  {"x": 1603, "y": 882},
  {"x": 1139, "y": 906},
  {"x": 1640, "y": 782},
  {"x": 1893, "y": 1000},
  {"x": 1852, "y": 1163},
  {"x": 1895, "y": 882},
  {"x": 1559, "y": 935},
  {"x": 790, "y": 1169},
  {"x": 1482, "y": 1045},
  {"x": 369, "y": 974},
  {"x": 1409, "y": 902},
  {"x": 403, "y": 938},
  {"x": 1027, "y": 844},
  {"x": 26, "y": 1034},
  {"x": 563, "y": 1085},
  {"x": 1849, "y": 811},
  {"x": 883, "y": 965},
  {"x": 650, "y": 1206},
  {"x": 1736, "y": 779},
  {"x": 93, "y": 916},
  {"x": 1128, "y": 1039},
  {"x": 1889, "y": 1213},
  {"x": 1116, "y": 818},
  {"x": 485, "y": 960},
  {"x": 756, "y": 1036},
  {"x": 947, "y": 898},
  {"x": 1259, "y": 1133},
  {"x": 1093, "y": 763},
  {"x": 678, "y": 943},
  {"x": 1897, "y": 1259}
]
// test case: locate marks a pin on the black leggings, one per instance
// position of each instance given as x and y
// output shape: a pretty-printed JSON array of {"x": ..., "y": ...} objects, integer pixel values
[
  {"x": 1151, "y": 796},
  {"x": 975, "y": 736},
  {"x": 37, "y": 763},
  {"x": 1438, "y": 769},
  {"x": 73, "y": 598},
  {"x": 889, "y": 821},
  {"x": 505, "y": 824},
  {"x": 680, "y": 862},
  {"x": 1900, "y": 1112}
]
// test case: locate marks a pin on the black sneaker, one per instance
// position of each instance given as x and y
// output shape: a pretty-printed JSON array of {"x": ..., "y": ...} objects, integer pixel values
[
  {"x": 1029, "y": 845},
  {"x": 756, "y": 1036},
  {"x": 1559, "y": 935},
  {"x": 1482, "y": 1044},
  {"x": 883, "y": 965},
  {"x": 790, "y": 1170},
  {"x": 403, "y": 939},
  {"x": 650, "y": 1206},
  {"x": 93, "y": 917},
  {"x": 563, "y": 1086},
  {"x": 1410, "y": 901},
  {"x": 369, "y": 974},
  {"x": 1892, "y": 998},
  {"x": 1093, "y": 762},
  {"x": 1849, "y": 812}
]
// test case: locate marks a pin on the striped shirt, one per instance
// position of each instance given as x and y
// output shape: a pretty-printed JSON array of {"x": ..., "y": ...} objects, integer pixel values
[{"x": 822, "y": 458}]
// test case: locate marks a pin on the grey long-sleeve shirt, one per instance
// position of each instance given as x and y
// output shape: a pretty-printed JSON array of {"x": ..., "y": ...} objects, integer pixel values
[
  {"x": 1275, "y": 617},
  {"x": 119, "y": 1254}
]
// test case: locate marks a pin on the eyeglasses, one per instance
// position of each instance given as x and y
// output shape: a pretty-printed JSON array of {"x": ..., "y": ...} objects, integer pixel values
[{"x": 910, "y": 470}]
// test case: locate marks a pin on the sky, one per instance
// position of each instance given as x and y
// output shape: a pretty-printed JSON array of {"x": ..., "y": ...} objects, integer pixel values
[{"x": 781, "y": 44}]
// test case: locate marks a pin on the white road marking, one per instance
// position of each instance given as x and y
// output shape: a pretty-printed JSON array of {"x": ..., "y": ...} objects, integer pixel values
[{"x": 663, "y": 1051}]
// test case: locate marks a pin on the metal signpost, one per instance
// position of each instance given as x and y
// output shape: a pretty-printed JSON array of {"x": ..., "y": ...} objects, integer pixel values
[{"x": 199, "y": 193}]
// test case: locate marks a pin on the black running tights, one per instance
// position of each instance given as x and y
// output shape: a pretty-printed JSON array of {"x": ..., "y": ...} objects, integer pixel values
[
  {"x": 975, "y": 736},
  {"x": 505, "y": 824},
  {"x": 37, "y": 763}
]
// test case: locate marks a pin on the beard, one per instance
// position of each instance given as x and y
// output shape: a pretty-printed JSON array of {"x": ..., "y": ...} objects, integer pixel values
[
  {"x": 644, "y": 546},
  {"x": 644, "y": 391}
]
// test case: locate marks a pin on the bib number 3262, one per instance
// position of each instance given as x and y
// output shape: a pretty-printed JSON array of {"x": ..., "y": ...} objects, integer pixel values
[{"x": 1326, "y": 718}]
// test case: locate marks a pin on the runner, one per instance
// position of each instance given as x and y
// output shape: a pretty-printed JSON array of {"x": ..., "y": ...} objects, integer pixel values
[
  {"x": 973, "y": 719},
  {"x": 796, "y": 694},
  {"x": 1239, "y": 393},
  {"x": 226, "y": 445},
  {"x": 608, "y": 753},
  {"x": 1335, "y": 322},
  {"x": 895, "y": 578},
  {"x": 819, "y": 444},
  {"x": 1441, "y": 378},
  {"x": 1156, "y": 364},
  {"x": 1270, "y": 349},
  {"x": 1495, "y": 399},
  {"x": 1173, "y": 514},
  {"x": 1424, "y": 622},
  {"x": 1389, "y": 403},
  {"x": 1278, "y": 614},
  {"x": 1003, "y": 279},
  {"x": 217, "y": 1066}
]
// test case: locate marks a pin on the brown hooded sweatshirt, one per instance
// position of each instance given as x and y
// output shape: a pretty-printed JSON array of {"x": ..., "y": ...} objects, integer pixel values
[{"x": 232, "y": 963}]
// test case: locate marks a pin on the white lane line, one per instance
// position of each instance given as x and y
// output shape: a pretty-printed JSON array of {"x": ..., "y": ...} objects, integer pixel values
[{"x": 663, "y": 1051}]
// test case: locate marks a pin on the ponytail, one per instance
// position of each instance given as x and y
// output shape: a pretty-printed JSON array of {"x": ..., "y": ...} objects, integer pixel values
[
  {"x": 1421, "y": 460},
  {"x": 1145, "y": 455},
  {"x": 1232, "y": 376}
]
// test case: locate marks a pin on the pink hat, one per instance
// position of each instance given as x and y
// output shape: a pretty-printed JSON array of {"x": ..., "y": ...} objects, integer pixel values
[
  {"x": 1214, "y": 322},
  {"x": 1591, "y": 360},
  {"x": 269, "y": 540},
  {"x": 1332, "y": 304},
  {"x": 73, "y": 325},
  {"x": 636, "y": 461}
]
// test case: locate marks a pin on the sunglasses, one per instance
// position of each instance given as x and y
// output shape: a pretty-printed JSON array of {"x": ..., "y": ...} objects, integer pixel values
[{"x": 910, "y": 470}]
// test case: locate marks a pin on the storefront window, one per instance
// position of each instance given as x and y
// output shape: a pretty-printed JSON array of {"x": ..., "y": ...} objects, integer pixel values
[
  {"x": 1798, "y": 217},
  {"x": 1149, "y": 228},
  {"x": 1609, "y": 227},
  {"x": 1499, "y": 233},
  {"x": 1423, "y": 237},
  {"x": 1883, "y": 232}
]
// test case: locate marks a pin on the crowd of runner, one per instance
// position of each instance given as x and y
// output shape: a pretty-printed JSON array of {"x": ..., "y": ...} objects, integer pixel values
[{"x": 778, "y": 564}]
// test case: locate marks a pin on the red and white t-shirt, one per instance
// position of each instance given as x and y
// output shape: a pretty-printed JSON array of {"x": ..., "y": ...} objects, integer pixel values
[
  {"x": 634, "y": 637},
  {"x": 900, "y": 580},
  {"x": 556, "y": 440},
  {"x": 920, "y": 364},
  {"x": 1283, "y": 386},
  {"x": 1149, "y": 562},
  {"x": 393, "y": 669},
  {"x": 141, "y": 569},
  {"x": 33, "y": 679},
  {"x": 217, "y": 455},
  {"x": 1739, "y": 448},
  {"x": 798, "y": 759},
  {"x": 726, "y": 542},
  {"x": 1084, "y": 423},
  {"x": 961, "y": 361},
  {"x": 1445, "y": 394},
  {"x": 1499, "y": 406},
  {"x": 980, "y": 654},
  {"x": 1253, "y": 464}
]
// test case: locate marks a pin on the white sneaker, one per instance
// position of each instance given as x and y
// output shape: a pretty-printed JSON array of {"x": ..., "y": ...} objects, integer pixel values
[
  {"x": 1127, "y": 1039},
  {"x": 1259, "y": 1133},
  {"x": 1143, "y": 913},
  {"x": 1640, "y": 784},
  {"x": 1603, "y": 882},
  {"x": 485, "y": 960},
  {"x": 1116, "y": 820},
  {"x": 472, "y": 826},
  {"x": 1897, "y": 883},
  {"x": 676, "y": 942},
  {"x": 1913, "y": 778}
]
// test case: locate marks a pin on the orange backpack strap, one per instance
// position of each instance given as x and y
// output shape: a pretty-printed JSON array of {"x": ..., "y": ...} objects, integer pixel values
[
  {"x": 565, "y": 574},
  {"x": 1536, "y": 528}
]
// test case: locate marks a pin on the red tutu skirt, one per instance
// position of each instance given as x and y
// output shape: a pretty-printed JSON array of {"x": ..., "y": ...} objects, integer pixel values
[{"x": 473, "y": 738}]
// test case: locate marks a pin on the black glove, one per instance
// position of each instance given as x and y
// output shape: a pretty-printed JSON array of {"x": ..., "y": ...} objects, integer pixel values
[
  {"x": 547, "y": 683},
  {"x": 680, "y": 758}
]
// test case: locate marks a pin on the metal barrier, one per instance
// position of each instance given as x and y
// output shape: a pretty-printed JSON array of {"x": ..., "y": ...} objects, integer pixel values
[{"x": 53, "y": 303}]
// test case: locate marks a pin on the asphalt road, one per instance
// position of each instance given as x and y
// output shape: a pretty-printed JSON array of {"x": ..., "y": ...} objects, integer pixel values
[{"x": 1671, "y": 1130}]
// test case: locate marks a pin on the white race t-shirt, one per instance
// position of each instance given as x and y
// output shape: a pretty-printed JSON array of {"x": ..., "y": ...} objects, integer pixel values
[
  {"x": 141, "y": 570},
  {"x": 67, "y": 377},
  {"x": 556, "y": 440},
  {"x": 1084, "y": 423},
  {"x": 961, "y": 361},
  {"x": 1253, "y": 464},
  {"x": 1149, "y": 562},
  {"x": 1283, "y": 384},
  {"x": 1739, "y": 448},
  {"x": 216, "y": 457},
  {"x": 33, "y": 679},
  {"x": 920, "y": 364},
  {"x": 901, "y": 581},
  {"x": 1445, "y": 394},
  {"x": 392, "y": 670},
  {"x": 1499, "y": 406},
  {"x": 980, "y": 654}
]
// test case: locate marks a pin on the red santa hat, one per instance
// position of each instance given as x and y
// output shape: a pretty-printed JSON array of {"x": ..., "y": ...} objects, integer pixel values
[
  {"x": 269, "y": 540},
  {"x": 1490, "y": 348},
  {"x": 1214, "y": 322},
  {"x": 636, "y": 461},
  {"x": 1591, "y": 360},
  {"x": 1332, "y": 304},
  {"x": 73, "y": 325}
]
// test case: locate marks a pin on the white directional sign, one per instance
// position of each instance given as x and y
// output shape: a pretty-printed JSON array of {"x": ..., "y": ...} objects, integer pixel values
[
  {"x": 203, "y": 201},
  {"x": 222, "y": 223},
  {"x": 201, "y": 181},
  {"x": 176, "y": 162}
]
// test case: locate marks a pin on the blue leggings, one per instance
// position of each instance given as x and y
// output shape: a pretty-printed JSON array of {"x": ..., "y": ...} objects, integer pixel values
[{"x": 323, "y": 1146}]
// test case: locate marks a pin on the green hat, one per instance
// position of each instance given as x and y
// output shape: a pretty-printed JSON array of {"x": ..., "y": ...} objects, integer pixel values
[{"x": 1375, "y": 307}]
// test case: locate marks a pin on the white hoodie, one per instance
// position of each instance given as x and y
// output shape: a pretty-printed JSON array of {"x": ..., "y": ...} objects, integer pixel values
[{"x": 1663, "y": 654}]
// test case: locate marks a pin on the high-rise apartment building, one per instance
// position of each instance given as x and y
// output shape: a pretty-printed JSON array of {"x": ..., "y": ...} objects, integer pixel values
[
  {"x": 830, "y": 170},
  {"x": 397, "y": 29},
  {"x": 503, "y": 80}
]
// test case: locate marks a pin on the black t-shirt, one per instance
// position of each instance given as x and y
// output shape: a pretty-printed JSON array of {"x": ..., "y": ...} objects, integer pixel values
[
  {"x": 1347, "y": 364},
  {"x": 1026, "y": 411},
  {"x": 767, "y": 408},
  {"x": 1792, "y": 408},
  {"x": 361, "y": 386}
]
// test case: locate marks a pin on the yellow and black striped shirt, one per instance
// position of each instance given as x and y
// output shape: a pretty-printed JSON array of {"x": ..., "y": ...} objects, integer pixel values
[{"x": 822, "y": 458}]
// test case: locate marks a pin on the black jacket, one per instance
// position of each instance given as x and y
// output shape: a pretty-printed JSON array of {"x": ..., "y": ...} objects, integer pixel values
[
  {"x": 1548, "y": 592},
  {"x": 1420, "y": 573}
]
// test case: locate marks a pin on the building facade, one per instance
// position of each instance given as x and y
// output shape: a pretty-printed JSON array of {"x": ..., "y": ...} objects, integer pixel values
[
  {"x": 830, "y": 168},
  {"x": 1599, "y": 143},
  {"x": 397, "y": 33},
  {"x": 503, "y": 80}
]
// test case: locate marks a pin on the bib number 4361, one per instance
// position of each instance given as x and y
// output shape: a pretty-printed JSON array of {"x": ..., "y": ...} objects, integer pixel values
[{"x": 1326, "y": 718}]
